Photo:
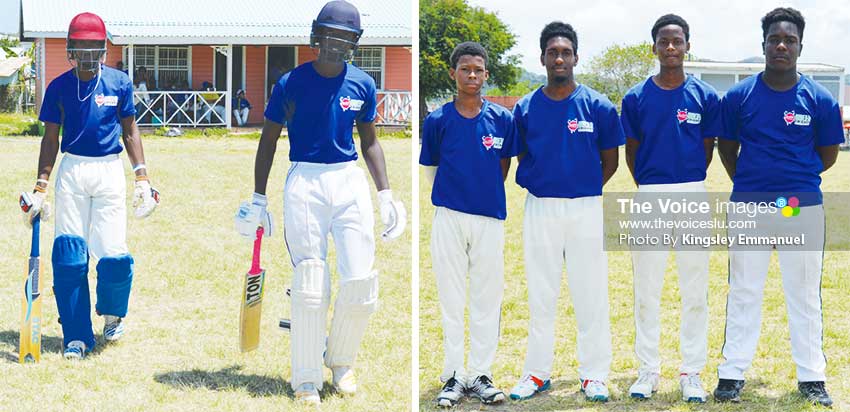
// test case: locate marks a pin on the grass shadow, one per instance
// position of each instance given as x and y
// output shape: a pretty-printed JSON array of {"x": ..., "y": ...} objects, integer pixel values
[
  {"x": 49, "y": 344},
  {"x": 228, "y": 379}
]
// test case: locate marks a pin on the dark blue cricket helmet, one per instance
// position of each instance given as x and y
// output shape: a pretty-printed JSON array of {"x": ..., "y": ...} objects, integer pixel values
[{"x": 336, "y": 15}]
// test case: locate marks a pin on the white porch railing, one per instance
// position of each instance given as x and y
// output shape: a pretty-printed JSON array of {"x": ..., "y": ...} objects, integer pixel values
[
  {"x": 395, "y": 108},
  {"x": 180, "y": 108}
]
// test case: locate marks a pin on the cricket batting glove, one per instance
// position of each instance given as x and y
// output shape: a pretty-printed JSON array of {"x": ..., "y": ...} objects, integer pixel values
[
  {"x": 253, "y": 214},
  {"x": 392, "y": 214},
  {"x": 145, "y": 197},
  {"x": 35, "y": 203}
]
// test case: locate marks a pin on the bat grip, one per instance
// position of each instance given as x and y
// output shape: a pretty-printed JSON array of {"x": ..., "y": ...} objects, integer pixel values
[
  {"x": 36, "y": 229},
  {"x": 255, "y": 262}
]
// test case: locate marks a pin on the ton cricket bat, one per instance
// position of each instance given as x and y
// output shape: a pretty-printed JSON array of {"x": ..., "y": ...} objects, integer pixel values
[
  {"x": 30, "y": 345},
  {"x": 252, "y": 301}
]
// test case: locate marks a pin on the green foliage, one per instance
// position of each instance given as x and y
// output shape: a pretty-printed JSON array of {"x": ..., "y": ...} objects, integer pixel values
[
  {"x": 619, "y": 68},
  {"x": 521, "y": 88},
  {"x": 443, "y": 24},
  {"x": 6, "y": 42}
]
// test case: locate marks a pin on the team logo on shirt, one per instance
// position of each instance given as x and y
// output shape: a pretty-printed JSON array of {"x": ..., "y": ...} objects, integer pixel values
[
  {"x": 683, "y": 115},
  {"x": 575, "y": 125},
  {"x": 797, "y": 119},
  {"x": 490, "y": 141},
  {"x": 347, "y": 103},
  {"x": 102, "y": 100}
]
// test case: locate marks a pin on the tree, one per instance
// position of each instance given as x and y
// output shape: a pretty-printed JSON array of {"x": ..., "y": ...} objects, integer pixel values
[
  {"x": 619, "y": 68},
  {"x": 443, "y": 24}
]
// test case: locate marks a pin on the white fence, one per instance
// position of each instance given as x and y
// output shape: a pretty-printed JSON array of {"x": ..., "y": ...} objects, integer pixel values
[
  {"x": 395, "y": 109},
  {"x": 180, "y": 108}
]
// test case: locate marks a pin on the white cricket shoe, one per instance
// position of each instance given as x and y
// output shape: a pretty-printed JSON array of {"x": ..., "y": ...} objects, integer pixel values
[
  {"x": 483, "y": 389},
  {"x": 692, "y": 390},
  {"x": 528, "y": 386},
  {"x": 645, "y": 385},
  {"x": 307, "y": 393},
  {"x": 594, "y": 390},
  {"x": 452, "y": 392},
  {"x": 75, "y": 350},
  {"x": 113, "y": 329},
  {"x": 344, "y": 380}
]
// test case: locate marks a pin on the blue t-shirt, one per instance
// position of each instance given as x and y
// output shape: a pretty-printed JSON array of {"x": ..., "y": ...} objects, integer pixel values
[
  {"x": 239, "y": 104},
  {"x": 468, "y": 154},
  {"x": 319, "y": 112},
  {"x": 670, "y": 126},
  {"x": 91, "y": 127},
  {"x": 779, "y": 132},
  {"x": 562, "y": 141}
]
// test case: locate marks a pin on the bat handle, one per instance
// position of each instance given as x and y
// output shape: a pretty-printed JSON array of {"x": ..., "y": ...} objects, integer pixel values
[
  {"x": 36, "y": 229},
  {"x": 255, "y": 262}
]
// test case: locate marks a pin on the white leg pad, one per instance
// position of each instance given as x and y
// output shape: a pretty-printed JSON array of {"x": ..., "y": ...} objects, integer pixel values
[
  {"x": 310, "y": 298},
  {"x": 357, "y": 299}
]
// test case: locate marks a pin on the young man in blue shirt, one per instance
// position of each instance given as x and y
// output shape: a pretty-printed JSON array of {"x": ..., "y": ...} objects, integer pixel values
[
  {"x": 670, "y": 121},
  {"x": 93, "y": 104},
  {"x": 468, "y": 143},
  {"x": 788, "y": 128},
  {"x": 569, "y": 135},
  {"x": 326, "y": 193}
]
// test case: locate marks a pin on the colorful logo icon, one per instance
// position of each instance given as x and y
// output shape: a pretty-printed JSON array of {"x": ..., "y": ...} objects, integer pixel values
[
  {"x": 572, "y": 125},
  {"x": 682, "y": 115},
  {"x": 789, "y": 207},
  {"x": 345, "y": 103},
  {"x": 487, "y": 141},
  {"x": 789, "y": 117}
]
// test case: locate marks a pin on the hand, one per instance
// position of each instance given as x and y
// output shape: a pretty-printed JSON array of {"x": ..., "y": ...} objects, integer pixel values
[
  {"x": 35, "y": 203},
  {"x": 392, "y": 214},
  {"x": 145, "y": 198},
  {"x": 252, "y": 214}
]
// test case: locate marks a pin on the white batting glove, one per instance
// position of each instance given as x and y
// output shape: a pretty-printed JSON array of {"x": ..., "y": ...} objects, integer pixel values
[
  {"x": 392, "y": 214},
  {"x": 35, "y": 203},
  {"x": 145, "y": 198},
  {"x": 253, "y": 214}
]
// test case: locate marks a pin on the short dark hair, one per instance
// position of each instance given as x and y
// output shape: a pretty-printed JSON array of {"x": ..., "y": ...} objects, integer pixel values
[
  {"x": 783, "y": 14},
  {"x": 558, "y": 29},
  {"x": 467, "y": 48},
  {"x": 669, "y": 19}
]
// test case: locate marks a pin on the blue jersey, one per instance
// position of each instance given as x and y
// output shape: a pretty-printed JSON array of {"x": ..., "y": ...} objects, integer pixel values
[
  {"x": 319, "y": 112},
  {"x": 468, "y": 154},
  {"x": 779, "y": 132},
  {"x": 670, "y": 126},
  {"x": 91, "y": 127},
  {"x": 562, "y": 140}
]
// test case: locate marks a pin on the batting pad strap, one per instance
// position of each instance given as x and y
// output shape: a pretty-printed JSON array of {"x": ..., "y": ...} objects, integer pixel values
[
  {"x": 70, "y": 260},
  {"x": 356, "y": 301},
  {"x": 114, "y": 279},
  {"x": 310, "y": 298}
]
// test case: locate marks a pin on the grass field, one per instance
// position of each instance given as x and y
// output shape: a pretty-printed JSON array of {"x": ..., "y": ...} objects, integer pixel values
[
  {"x": 181, "y": 350},
  {"x": 771, "y": 384}
]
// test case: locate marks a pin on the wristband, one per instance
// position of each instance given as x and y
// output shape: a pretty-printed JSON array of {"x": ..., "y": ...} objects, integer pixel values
[
  {"x": 138, "y": 167},
  {"x": 142, "y": 178},
  {"x": 42, "y": 181}
]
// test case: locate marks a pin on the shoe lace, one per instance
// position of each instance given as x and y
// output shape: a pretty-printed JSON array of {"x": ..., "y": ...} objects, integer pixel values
[
  {"x": 594, "y": 385},
  {"x": 646, "y": 378},
  {"x": 693, "y": 379},
  {"x": 726, "y": 384},
  {"x": 817, "y": 387},
  {"x": 451, "y": 383}
]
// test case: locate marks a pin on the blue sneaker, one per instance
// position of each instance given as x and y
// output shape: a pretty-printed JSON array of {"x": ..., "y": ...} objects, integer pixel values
[
  {"x": 595, "y": 391},
  {"x": 528, "y": 386},
  {"x": 113, "y": 329},
  {"x": 75, "y": 350}
]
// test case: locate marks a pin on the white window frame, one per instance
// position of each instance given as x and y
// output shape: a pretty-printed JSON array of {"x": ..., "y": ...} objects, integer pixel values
[
  {"x": 155, "y": 66},
  {"x": 383, "y": 64}
]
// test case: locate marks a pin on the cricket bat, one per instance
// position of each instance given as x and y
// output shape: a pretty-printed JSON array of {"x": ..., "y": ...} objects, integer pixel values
[
  {"x": 252, "y": 301},
  {"x": 30, "y": 344}
]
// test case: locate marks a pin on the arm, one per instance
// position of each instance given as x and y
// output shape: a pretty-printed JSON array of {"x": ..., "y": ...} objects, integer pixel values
[
  {"x": 265, "y": 154},
  {"x": 430, "y": 174},
  {"x": 506, "y": 167},
  {"x": 728, "y": 151},
  {"x": 49, "y": 150},
  {"x": 610, "y": 158},
  {"x": 828, "y": 155},
  {"x": 709, "y": 150},
  {"x": 133, "y": 142},
  {"x": 632, "y": 146},
  {"x": 373, "y": 154}
]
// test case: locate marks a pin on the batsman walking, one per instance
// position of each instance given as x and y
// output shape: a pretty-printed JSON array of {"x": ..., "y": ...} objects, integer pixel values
[{"x": 326, "y": 193}]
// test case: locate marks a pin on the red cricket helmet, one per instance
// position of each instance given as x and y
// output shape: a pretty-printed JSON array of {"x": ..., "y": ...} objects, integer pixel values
[{"x": 87, "y": 26}]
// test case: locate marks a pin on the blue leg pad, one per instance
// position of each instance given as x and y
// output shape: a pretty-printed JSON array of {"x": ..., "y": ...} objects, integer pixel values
[
  {"x": 114, "y": 278},
  {"x": 71, "y": 288}
]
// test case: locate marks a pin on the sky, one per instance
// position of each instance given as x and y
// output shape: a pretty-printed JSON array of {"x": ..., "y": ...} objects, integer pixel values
[
  {"x": 720, "y": 30},
  {"x": 9, "y": 13}
]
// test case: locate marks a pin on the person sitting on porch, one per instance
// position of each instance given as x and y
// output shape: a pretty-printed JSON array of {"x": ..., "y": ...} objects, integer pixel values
[
  {"x": 141, "y": 98},
  {"x": 241, "y": 108},
  {"x": 211, "y": 99}
]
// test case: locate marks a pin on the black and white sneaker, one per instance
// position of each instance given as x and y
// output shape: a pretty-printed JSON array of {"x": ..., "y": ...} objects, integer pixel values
[
  {"x": 815, "y": 392},
  {"x": 483, "y": 389},
  {"x": 728, "y": 390},
  {"x": 451, "y": 393}
]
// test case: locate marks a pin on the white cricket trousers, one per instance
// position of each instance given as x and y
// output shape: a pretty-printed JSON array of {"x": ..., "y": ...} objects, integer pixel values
[
  {"x": 801, "y": 281},
  {"x": 462, "y": 245},
  {"x": 91, "y": 202},
  {"x": 321, "y": 199},
  {"x": 556, "y": 230},
  {"x": 649, "y": 268}
]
